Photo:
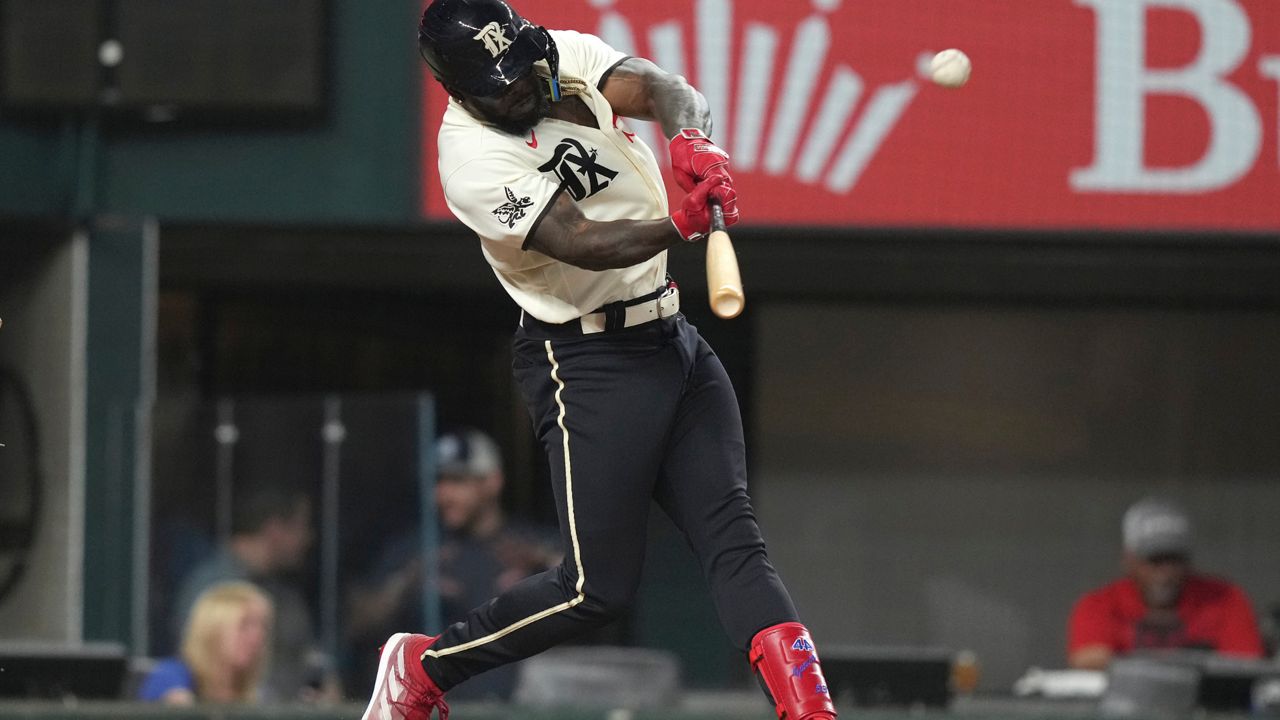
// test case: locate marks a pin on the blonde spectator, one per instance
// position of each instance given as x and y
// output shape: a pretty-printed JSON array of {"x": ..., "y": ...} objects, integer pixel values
[
  {"x": 271, "y": 534},
  {"x": 224, "y": 650}
]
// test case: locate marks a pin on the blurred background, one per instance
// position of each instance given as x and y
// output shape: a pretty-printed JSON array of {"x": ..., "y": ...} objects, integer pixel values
[{"x": 980, "y": 322}]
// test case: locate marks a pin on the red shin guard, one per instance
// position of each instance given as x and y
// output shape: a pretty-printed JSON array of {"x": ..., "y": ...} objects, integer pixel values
[{"x": 787, "y": 663}]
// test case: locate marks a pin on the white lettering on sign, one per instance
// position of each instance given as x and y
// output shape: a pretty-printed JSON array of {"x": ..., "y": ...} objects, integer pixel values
[
  {"x": 830, "y": 153},
  {"x": 1124, "y": 82},
  {"x": 1269, "y": 67}
]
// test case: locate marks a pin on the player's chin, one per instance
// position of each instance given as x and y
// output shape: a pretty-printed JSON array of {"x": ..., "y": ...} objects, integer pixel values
[
  {"x": 516, "y": 127},
  {"x": 522, "y": 123}
]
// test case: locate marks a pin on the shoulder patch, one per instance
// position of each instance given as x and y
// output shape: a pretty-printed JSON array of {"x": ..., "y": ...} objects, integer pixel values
[{"x": 512, "y": 211}]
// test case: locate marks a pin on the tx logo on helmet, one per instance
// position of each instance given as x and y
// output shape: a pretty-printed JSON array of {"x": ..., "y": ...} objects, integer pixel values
[
  {"x": 571, "y": 160},
  {"x": 495, "y": 41}
]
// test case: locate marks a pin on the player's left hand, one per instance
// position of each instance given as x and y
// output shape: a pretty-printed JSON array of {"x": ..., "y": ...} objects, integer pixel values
[
  {"x": 693, "y": 218},
  {"x": 695, "y": 158}
]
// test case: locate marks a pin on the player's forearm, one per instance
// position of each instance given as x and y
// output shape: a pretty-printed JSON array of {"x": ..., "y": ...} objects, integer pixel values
[
  {"x": 675, "y": 104},
  {"x": 593, "y": 245},
  {"x": 639, "y": 89}
]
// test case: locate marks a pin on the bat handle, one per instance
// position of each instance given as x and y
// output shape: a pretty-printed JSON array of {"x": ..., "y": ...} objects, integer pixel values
[{"x": 717, "y": 216}]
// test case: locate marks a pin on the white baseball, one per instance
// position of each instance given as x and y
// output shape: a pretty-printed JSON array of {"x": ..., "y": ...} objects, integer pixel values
[
  {"x": 110, "y": 53},
  {"x": 950, "y": 68}
]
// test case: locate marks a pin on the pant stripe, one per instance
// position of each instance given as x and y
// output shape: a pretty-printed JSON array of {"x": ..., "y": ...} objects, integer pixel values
[{"x": 573, "y": 534}]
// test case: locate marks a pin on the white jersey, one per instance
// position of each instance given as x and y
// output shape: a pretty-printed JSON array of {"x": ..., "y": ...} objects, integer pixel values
[{"x": 501, "y": 185}]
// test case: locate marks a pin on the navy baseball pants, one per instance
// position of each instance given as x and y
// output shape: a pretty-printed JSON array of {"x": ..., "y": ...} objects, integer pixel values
[{"x": 625, "y": 416}]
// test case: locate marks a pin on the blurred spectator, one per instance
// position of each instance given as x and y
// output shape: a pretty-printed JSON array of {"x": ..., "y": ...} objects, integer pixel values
[
  {"x": 270, "y": 538},
  {"x": 1162, "y": 603},
  {"x": 481, "y": 554},
  {"x": 224, "y": 650}
]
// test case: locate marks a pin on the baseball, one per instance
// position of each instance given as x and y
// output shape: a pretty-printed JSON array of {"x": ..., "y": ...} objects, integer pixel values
[
  {"x": 110, "y": 53},
  {"x": 950, "y": 68}
]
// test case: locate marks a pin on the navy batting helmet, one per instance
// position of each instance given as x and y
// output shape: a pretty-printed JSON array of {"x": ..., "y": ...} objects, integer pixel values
[{"x": 481, "y": 46}]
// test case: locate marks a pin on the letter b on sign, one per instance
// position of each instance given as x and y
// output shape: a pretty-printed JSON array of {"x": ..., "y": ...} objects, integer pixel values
[{"x": 1124, "y": 82}]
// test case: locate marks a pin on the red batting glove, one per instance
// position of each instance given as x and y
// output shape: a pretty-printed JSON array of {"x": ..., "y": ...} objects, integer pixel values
[
  {"x": 694, "y": 158},
  {"x": 693, "y": 219}
]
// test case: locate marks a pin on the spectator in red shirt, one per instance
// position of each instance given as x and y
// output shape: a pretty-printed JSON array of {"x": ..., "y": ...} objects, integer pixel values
[{"x": 1162, "y": 603}]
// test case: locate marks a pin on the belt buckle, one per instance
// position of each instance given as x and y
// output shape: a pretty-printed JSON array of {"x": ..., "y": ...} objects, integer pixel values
[{"x": 671, "y": 292}]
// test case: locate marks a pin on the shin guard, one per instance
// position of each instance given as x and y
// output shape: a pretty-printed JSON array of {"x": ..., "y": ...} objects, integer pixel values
[{"x": 784, "y": 658}]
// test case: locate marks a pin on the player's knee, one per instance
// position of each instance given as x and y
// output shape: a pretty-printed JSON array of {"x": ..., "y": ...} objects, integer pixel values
[{"x": 603, "y": 608}]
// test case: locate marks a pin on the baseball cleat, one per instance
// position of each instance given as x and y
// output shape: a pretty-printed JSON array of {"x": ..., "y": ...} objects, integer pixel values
[{"x": 403, "y": 690}]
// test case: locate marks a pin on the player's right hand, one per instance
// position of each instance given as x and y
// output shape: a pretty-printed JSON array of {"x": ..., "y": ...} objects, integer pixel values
[
  {"x": 695, "y": 158},
  {"x": 693, "y": 219}
]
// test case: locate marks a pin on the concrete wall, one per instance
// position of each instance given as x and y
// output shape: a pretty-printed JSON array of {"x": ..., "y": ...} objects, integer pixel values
[
  {"x": 955, "y": 476},
  {"x": 43, "y": 337}
]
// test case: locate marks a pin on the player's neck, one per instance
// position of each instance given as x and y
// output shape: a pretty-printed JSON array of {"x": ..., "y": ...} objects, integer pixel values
[{"x": 573, "y": 109}]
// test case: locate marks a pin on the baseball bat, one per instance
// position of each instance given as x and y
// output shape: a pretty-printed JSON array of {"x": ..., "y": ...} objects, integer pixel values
[{"x": 724, "y": 281}]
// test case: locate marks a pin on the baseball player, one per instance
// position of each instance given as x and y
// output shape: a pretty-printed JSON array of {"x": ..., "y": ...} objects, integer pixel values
[{"x": 627, "y": 399}]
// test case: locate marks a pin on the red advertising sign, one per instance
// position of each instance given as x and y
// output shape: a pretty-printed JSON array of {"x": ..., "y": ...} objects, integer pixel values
[{"x": 1125, "y": 114}]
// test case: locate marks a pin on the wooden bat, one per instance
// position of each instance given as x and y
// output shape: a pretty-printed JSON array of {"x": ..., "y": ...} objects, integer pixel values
[{"x": 724, "y": 281}]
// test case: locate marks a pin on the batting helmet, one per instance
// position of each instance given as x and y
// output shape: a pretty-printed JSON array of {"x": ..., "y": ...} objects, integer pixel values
[{"x": 481, "y": 46}]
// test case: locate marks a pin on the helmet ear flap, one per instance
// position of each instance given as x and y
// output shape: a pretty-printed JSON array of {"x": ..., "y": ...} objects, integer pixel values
[
  {"x": 454, "y": 92},
  {"x": 429, "y": 57}
]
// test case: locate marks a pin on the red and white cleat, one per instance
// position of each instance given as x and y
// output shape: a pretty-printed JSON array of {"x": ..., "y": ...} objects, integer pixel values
[{"x": 403, "y": 690}]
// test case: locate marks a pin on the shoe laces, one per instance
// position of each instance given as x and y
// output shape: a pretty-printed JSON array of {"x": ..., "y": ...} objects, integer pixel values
[
  {"x": 420, "y": 699},
  {"x": 419, "y": 702}
]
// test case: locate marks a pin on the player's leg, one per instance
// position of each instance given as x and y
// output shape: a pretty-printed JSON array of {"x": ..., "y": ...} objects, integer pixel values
[
  {"x": 703, "y": 488},
  {"x": 601, "y": 410}
]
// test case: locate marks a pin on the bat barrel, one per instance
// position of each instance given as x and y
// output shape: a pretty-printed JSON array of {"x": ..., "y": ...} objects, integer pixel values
[
  {"x": 724, "y": 282},
  {"x": 727, "y": 302}
]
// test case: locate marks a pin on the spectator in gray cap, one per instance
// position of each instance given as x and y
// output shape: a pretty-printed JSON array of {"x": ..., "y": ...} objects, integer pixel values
[
  {"x": 482, "y": 552},
  {"x": 1161, "y": 603},
  {"x": 469, "y": 491}
]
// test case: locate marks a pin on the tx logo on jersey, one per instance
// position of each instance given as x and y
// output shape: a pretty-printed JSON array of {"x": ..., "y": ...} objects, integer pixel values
[
  {"x": 512, "y": 211},
  {"x": 495, "y": 41},
  {"x": 571, "y": 160}
]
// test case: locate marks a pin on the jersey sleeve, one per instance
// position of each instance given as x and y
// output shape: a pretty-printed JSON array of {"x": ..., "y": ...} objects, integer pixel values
[
  {"x": 585, "y": 56},
  {"x": 1090, "y": 624},
  {"x": 1239, "y": 635},
  {"x": 500, "y": 199}
]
